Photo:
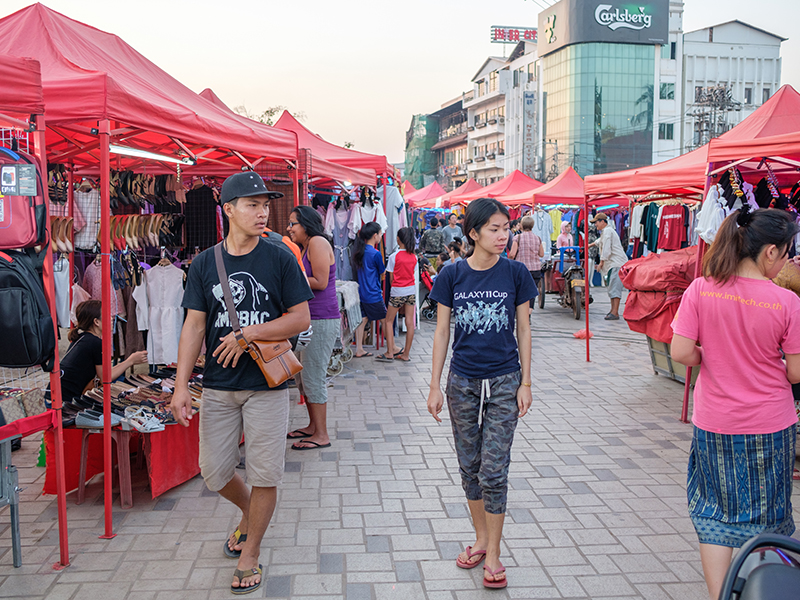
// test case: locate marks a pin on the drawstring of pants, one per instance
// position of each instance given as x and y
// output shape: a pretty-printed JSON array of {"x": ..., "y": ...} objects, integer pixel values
[{"x": 486, "y": 392}]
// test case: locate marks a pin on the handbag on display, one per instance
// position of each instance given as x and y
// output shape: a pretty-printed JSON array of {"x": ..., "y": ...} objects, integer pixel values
[{"x": 275, "y": 358}]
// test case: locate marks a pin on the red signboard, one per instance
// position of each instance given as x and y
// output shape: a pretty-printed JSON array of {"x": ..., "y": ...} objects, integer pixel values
[{"x": 513, "y": 35}]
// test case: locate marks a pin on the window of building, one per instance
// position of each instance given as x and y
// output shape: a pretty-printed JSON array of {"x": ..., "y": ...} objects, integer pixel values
[
  {"x": 710, "y": 34},
  {"x": 765, "y": 95},
  {"x": 667, "y": 91},
  {"x": 531, "y": 72},
  {"x": 664, "y": 50},
  {"x": 501, "y": 147},
  {"x": 493, "y": 114},
  {"x": 516, "y": 78},
  {"x": 493, "y": 78},
  {"x": 673, "y": 50},
  {"x": 748, "y": 95},
  {"x": 501, "y": 111},
  {"x": 666, "y": 131},
  {"x": 481, "y": 88},
  {"x": 698, "y": 93}
]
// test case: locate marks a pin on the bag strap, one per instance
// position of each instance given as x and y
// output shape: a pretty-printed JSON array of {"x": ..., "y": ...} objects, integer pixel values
[{"x": 226, "y": 293}]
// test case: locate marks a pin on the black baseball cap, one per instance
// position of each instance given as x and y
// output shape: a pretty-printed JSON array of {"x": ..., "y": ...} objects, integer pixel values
[{"x": 244, "y": 185}]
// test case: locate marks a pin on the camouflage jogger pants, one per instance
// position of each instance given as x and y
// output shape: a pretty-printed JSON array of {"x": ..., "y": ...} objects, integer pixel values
[{"x": 483, "y": 446}]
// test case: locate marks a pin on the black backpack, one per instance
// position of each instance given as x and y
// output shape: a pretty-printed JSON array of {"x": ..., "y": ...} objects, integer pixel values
[{"x": 26, "y": 327}]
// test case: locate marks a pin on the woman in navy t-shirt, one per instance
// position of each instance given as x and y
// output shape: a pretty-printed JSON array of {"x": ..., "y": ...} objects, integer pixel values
[
  {"x": 489, "y": 384},
  {"x": 369, "y": 267}
]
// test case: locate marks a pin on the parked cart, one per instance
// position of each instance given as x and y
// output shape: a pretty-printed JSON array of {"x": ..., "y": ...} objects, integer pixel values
[{"x": 350, "y": 310}]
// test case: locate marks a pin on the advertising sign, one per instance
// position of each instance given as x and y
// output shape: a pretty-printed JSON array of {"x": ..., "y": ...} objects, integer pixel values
[
  {"x": 501, "y": 34},
  {"x": 580, "y": 21},
  {"x": 529, "y": 133}
]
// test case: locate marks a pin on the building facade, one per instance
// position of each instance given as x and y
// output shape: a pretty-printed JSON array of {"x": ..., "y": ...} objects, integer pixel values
[{"x": 451, "y": 149}]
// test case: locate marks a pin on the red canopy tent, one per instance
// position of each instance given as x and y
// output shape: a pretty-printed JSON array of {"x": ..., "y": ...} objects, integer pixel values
[
  {"x": 470, "y": 185},
  {"x": 332, "y": 152},
  {"x": 319, "y": 166},
  {"x": 21, "y": 106},
  {"x": 783, "y": 149},
  {"x": 407, "y": 188},
  {"x": 511, "y": 185},
  {"x": 687, "y": 173},
  {"x": 567, "y": 188},
  {"x": 423, "y": 196},
  {"x": 99, "y": 92}
]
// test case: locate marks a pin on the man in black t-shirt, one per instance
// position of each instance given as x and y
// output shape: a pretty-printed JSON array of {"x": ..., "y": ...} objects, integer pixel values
[{"x": 271, "y": 296}]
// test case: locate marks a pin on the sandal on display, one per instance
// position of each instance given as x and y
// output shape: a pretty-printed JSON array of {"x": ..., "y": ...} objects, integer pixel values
[
  {"x": 239, "y": 574},
  {"x": 467, "y": 564},
  {"x": 142, "y": 420},
  {"x": 491, "y": 583},
  {"x": 240, "y": 539}
]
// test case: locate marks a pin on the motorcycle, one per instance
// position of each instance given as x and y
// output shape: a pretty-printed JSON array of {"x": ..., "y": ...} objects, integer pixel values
[
  {"x": 569, "y": 279},
  {"x": 764, "y": 569}
]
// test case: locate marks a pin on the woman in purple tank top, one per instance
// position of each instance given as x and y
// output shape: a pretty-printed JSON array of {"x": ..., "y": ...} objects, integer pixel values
[{"x": 306, "y": 230}]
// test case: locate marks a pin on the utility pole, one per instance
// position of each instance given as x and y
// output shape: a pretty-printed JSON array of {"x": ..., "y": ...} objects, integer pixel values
[{"x": 709, "y": 112}]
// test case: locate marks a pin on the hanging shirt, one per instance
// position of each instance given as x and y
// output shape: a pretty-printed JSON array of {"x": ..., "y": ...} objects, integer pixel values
[
  {"x": 365, "y": 214},
  {"x": 650, "y": 220},
  {"x": 88, "y": 203},
  {"x": 555, "y": 217},
  {"x": 742, "y": 327},
  {"x": 484, "y": 305},
  {"x": 160, "y": 297},
  {"x": 711, "y": 215},
  {"x": 543, "y": 228},
  {"x": 395, "y": 208},
  {"x": 672, "y": 227}
]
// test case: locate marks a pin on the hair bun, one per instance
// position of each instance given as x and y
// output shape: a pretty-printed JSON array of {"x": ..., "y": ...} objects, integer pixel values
[{"x": 745, "y": 216}]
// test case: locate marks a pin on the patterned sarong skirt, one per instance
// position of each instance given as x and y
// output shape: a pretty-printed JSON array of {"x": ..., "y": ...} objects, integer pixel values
[{"x": 740, "y": 485}]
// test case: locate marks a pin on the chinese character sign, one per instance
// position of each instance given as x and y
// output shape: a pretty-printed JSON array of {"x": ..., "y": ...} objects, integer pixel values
[{"x": 513, "y": 35}]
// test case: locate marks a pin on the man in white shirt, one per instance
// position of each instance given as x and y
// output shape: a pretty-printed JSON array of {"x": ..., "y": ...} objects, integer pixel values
[
  {"x": 451, "y": 231},
  {"x": 612, "y": 257}
]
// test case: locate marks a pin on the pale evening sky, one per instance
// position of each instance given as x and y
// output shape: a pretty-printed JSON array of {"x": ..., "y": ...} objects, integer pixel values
[{"x": 358, "y": 70}]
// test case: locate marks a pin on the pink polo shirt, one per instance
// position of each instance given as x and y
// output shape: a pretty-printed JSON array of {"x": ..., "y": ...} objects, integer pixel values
[{"x": 742, "y": 326}]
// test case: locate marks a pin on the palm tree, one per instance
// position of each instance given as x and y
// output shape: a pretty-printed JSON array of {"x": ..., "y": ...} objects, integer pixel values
[{"x": 646, "y": 115}]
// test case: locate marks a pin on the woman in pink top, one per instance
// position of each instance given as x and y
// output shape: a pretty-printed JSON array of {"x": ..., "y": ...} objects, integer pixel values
[
  {"x": 565, "y": 238},
  {"x": 736, "y": 324}
]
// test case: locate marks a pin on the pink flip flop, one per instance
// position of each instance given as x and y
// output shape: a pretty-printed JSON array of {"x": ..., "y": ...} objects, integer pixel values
[
  {"x": 496, "y": 585},
  {"x": 471, "y": 565}
]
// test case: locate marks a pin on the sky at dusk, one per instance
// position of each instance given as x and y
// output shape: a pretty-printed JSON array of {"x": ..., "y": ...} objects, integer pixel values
[{"x": 357, "y": 70}]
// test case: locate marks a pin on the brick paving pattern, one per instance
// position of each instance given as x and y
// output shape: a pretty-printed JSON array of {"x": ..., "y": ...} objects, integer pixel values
[{"x": 597, "y": 505}]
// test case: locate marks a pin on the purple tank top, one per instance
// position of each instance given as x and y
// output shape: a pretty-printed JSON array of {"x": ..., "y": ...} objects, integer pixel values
[{"x": 324, "y": 304}]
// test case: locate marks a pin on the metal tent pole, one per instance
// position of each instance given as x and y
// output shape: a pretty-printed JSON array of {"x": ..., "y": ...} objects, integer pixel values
[
  {"x": 698, "y": 270},
  {"x": 587, "y": 274},
  {"x": 71, "y": 215},
  {"x": 107, "y": 324},
  {"x": 40, "y": 150}
]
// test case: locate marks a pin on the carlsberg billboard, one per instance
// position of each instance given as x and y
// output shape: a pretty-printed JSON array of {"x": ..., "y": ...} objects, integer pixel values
[{"x": 579, "y": 21}]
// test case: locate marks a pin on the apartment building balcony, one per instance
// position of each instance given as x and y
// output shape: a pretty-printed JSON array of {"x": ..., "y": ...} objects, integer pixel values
[
  {"x": 489, "y": 127},
  {"x": 451, "y": 136},
  {"x": 487, "y": 97}
]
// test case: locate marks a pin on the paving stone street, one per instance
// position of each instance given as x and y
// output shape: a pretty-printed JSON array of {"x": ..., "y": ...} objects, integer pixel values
[{"x": 597, "y": 505}]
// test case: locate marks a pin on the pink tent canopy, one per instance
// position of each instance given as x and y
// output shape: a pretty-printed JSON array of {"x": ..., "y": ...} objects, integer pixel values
[
  {"x": 21, "y": 92},
  {"x": 90, "y": 75},
  {"x": 513, "y": 184},
  {"x": 687, "y": 173},
  {"x": 319, "y": 166},
  {"x": 786, "y": 145},
  {"x": 332, "y": 152},
  {"x": 407, "y": 188},
  {"x": 429, "y": 192},
  {"x": 567, "y": 188}
]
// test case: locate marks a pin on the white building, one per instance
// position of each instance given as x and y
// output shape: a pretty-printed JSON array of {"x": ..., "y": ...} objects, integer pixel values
[
  {"x": 486, "y": 121},
  {"x": 521, "y": 130},
  {"x": 745, "y": 59},
  {"x": 669, "y": 83}
]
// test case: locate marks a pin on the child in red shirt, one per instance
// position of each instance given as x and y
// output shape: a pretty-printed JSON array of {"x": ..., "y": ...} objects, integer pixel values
[{"x": 402, "y": 266}]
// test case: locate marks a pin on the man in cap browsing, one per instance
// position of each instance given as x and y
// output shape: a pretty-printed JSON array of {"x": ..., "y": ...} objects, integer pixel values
[
  {"x": 612, "y": 257},
  {"x": 271, "y": 297}
]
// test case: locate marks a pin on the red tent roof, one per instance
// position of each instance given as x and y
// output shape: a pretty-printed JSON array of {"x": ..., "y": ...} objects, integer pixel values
[
  {"x": 429, "y": 192},
  {"x": 470, "y": 185},
  {"x": 21, "y": 92},
  {"x": 89, "y": 75},
  {"x": 780, "y": 114},
  {"x": 567, "y": 188},
  {"x": 511, "y": 185},
  {"x": 319, "y": 166},
  {"x": 407, "y": 188},
  {"x": 786, "y": 145},
  {"x": 332, "y": 152}
]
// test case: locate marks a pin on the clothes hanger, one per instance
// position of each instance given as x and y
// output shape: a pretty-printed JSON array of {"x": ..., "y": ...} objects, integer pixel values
[{"x": 164, "y": 262}]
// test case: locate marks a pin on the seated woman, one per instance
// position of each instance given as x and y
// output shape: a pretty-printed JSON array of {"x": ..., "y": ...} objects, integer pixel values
[{"x": 83, "y": 360}]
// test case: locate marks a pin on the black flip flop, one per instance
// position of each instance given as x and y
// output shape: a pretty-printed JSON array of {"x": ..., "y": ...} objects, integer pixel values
[
  {"x": 384, "y": 358},
  {"x": 239, "y": 539},
  {"x": 316, "y": 446},
  {"x": 366, "y": 354},
  {"x": 238, "y": 573},
  {"x": 302, "y": 435}
]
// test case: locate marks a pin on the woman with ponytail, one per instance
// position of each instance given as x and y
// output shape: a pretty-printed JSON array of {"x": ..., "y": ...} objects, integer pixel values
[
  {"x": 403, "y": 267},
  {"x": 369, "y": 267},
  {"x": 738, "y": 326}
]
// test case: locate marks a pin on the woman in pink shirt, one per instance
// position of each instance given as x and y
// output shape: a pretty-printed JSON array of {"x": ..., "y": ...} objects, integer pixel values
[{"x": 736, "y": 325}]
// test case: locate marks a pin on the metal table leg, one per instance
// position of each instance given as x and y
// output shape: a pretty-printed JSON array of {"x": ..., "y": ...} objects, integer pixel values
[{"x": 9, "y": 494}]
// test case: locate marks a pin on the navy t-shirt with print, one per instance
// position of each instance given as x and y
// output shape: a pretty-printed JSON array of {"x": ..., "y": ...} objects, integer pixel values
[
  {"x": 484, "y": 305},
  {"x": 264, "y": 284}
]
